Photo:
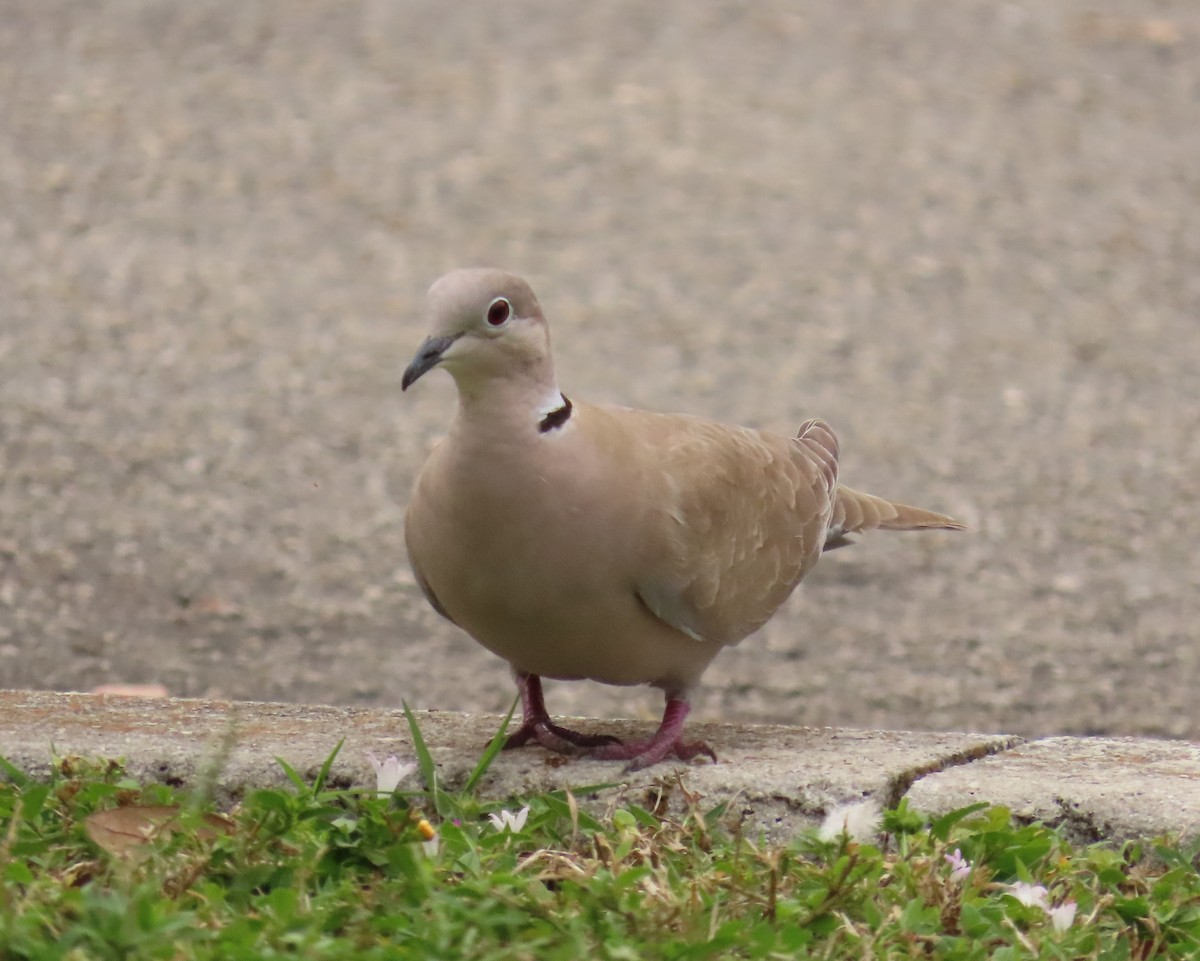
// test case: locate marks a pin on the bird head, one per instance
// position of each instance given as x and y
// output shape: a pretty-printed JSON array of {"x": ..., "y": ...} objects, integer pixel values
[{"x": 483, "y": 324}]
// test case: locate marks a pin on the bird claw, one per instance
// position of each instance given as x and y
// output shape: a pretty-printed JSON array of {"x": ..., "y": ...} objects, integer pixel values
[
  {"x": 667, "y": 740},
  {"x": 643, "y": 754},
  {"x": 553, "y": 737}
]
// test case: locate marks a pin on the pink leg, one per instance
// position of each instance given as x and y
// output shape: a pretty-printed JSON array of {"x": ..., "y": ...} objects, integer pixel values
[
  {"x": 668, "y": 739},
  {"x": 537, "y": 726}
]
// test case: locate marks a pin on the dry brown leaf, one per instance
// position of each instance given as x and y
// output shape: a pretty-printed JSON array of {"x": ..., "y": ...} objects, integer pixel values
[{"x": 128, "y": 831}]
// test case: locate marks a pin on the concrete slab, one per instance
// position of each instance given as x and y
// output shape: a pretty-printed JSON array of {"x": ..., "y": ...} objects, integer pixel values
[
  {"x": 780, "y": 779},
  {"x": 1094, "y": 788}
]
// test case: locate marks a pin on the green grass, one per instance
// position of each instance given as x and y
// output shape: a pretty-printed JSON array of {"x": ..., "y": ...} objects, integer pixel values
[{"x": 314, "y": 873}]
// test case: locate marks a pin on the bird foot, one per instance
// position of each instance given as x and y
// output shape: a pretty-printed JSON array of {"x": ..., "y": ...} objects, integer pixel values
[
  {"x": 667, "y": 740},
  {"x": 643, "y": 754},
  {"x": 553, "y": 737}
]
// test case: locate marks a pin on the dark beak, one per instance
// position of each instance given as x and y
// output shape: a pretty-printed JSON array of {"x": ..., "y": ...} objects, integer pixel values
[{"x": 428, "y": 356}]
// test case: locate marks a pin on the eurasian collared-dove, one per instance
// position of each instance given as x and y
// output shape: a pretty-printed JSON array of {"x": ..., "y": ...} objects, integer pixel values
[{"x": 581, "y": 541}]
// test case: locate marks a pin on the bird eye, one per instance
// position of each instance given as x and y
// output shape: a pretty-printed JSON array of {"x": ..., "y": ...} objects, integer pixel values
[{"x": 498, "y": 312}]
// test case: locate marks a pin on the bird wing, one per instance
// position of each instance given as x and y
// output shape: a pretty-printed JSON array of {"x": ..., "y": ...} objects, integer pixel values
[
  {"x": 742, "y": 519},
  {"x": 422, "y": 581}
]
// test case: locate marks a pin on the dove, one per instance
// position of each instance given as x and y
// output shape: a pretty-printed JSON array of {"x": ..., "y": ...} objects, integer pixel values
[{"x": 624, "y": 546}]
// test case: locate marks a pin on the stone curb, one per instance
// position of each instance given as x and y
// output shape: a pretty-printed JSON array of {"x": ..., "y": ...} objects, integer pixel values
[{"x": 779, "y": 779}]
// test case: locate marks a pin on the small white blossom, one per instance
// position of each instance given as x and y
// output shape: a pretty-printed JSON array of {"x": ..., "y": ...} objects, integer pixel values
[
  {"x": 389, "y": 772},
  {"x": 1063, "y": 916},
  {"x": 507, "y": 821},
  {"x": 1036, "y": 896},
  {"x": 960, "y": 867},
  {"x": 860, "y": 821},
  {"x": 1030, "y": 895}
]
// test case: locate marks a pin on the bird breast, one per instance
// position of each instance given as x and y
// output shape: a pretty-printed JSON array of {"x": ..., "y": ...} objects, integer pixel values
[{"x": 534, "y": 562}]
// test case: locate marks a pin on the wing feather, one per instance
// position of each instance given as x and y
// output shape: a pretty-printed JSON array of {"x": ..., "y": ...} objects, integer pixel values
[
  {"x": 743, "y": 520},
  {"x": 422, "y": 582}
]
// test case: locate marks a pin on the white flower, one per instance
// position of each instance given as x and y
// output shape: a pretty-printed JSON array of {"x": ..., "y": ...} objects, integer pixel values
[
  {"x": 506, "y": 820},
  {"x": 859, "y": 821},
  {"x": 960, "y": 867},
  {"x": 1063, "y": 916},
  {"x": 389, "y": 772},
  {"x": 1030, "y": 895},
  {"x": 1036, "y": 896}
]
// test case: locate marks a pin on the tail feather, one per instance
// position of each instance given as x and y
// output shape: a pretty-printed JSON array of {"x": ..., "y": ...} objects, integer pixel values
[{"x": 855, "y": 512}]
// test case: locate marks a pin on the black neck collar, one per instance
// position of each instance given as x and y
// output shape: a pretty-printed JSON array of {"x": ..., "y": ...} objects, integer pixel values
[{"x": 556, "y": 418}]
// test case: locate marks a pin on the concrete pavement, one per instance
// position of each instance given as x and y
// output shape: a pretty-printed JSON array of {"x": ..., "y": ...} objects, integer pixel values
[{"x": 780, "y": 779}]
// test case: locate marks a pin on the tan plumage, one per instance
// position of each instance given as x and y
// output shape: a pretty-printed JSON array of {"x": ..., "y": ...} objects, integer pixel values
[{"x": 581, "y": 541}]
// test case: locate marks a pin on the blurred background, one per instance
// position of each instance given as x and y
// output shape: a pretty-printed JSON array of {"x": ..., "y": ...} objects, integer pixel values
[{"x": 964, "y": 234}]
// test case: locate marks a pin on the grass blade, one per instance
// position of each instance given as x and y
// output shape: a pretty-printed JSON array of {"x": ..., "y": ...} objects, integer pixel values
[
  {"x": 495, "y": 746},
  {"x": 940, "y": 828},
  {"x": 323, "y": 774},
  {"x": 292, "y": 775},
  {"x": 18, "y": 777},
  {"x": 424, "y": 758}
]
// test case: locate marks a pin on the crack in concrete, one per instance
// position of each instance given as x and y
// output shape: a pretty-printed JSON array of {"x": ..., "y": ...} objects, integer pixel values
[{"x": 903, "y": 782}]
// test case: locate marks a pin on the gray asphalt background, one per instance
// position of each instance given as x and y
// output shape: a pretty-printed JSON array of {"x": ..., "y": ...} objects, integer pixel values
[{"x": 966, "y": 234}]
